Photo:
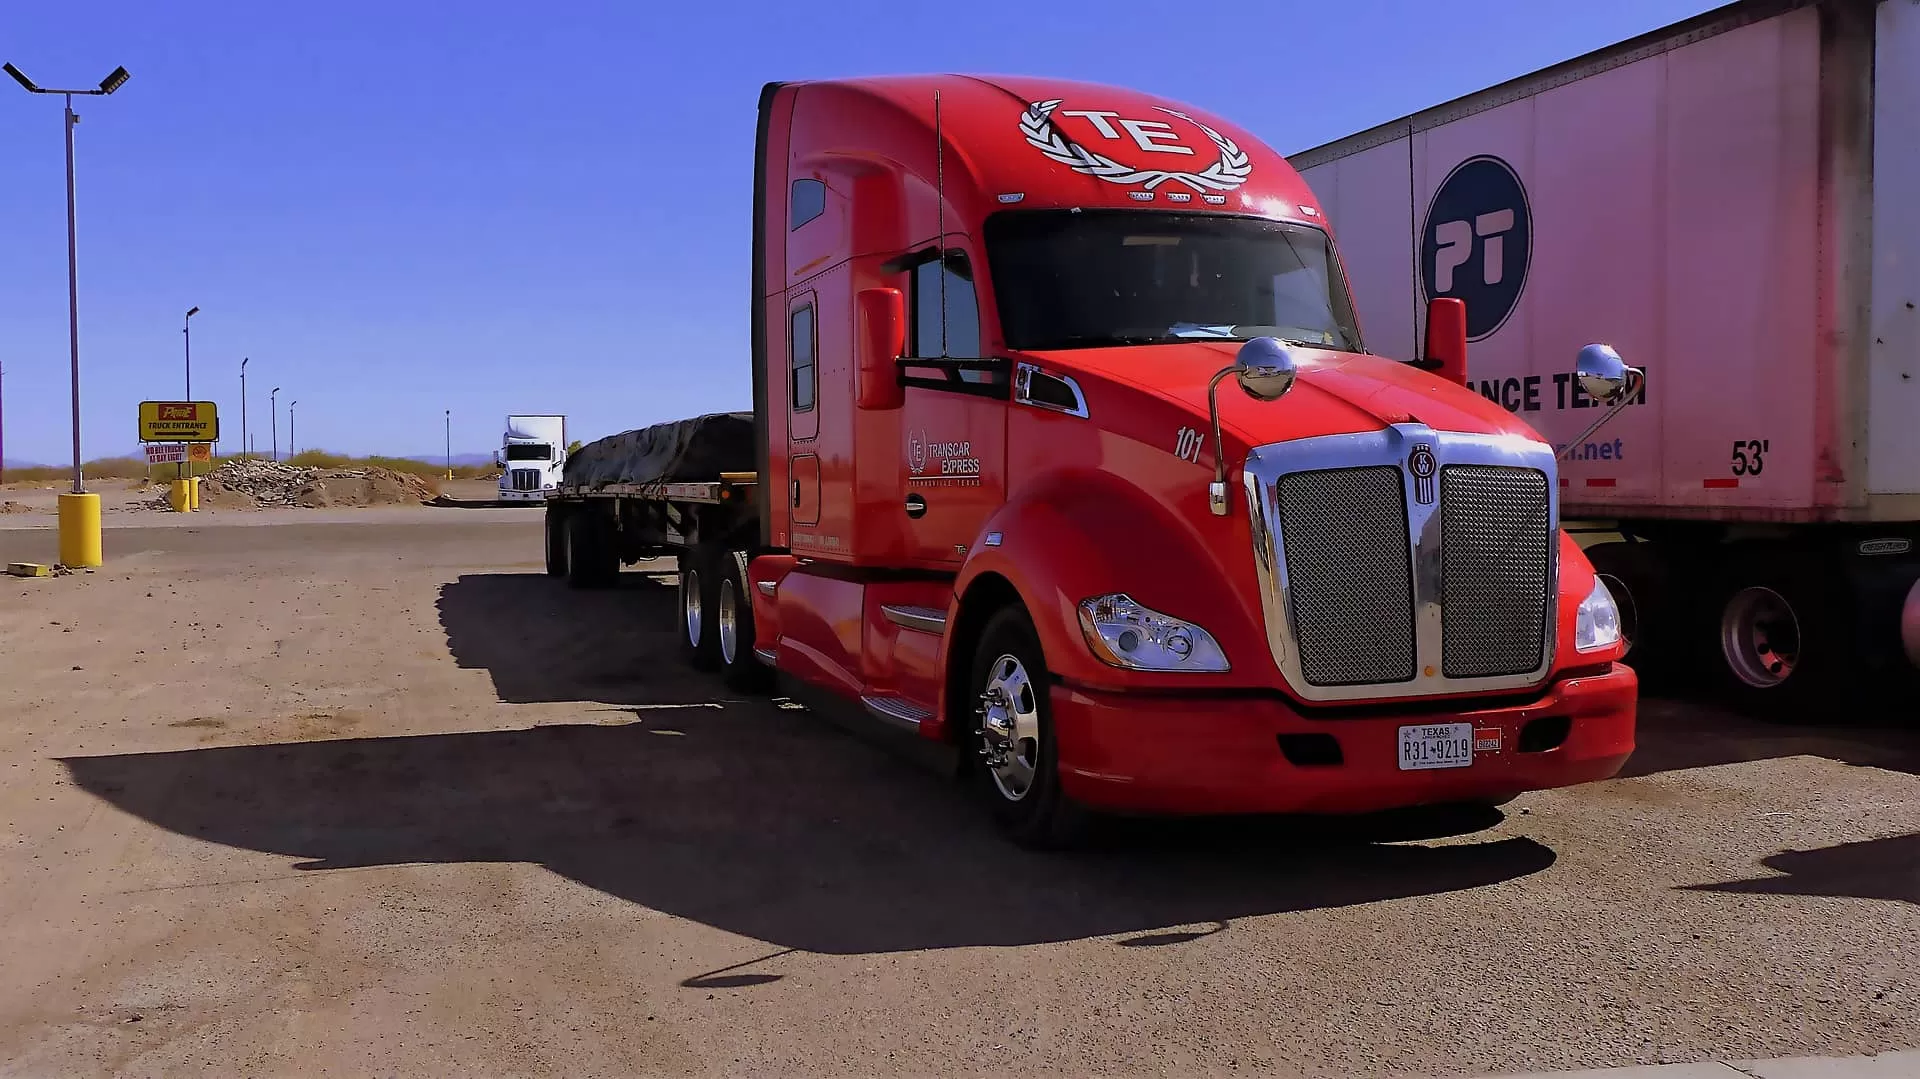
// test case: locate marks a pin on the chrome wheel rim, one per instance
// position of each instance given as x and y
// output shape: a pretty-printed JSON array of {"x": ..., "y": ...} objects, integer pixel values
[
  {"x": 690, "y": 604},
  {"x": 1760, "y": 637},
  {"x": 728, "y": 618},
  {"x": 1010, "y": 727}
]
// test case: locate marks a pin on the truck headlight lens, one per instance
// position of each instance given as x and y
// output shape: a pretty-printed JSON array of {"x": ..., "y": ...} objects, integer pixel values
[
  {"x": 1597, "y": 623},
  {"x": 1125, "y": 634}
]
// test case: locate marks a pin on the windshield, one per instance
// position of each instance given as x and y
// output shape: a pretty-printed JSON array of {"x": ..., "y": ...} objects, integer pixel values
[
  {"x": 536, "y": 451},
  {"x": 1090, "y": 278}
]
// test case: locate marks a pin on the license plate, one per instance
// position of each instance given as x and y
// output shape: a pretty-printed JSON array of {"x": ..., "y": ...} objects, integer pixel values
[{"x": 1436, "y": 745}]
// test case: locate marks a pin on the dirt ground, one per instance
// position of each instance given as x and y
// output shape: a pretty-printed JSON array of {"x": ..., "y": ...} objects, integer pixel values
[{"x": 305, "y": 795}]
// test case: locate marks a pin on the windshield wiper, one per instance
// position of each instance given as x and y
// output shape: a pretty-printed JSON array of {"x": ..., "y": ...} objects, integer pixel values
[{"x": 1102, "y": 340}]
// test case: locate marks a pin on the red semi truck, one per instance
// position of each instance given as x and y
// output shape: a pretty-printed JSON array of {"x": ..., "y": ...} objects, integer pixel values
[
  {"x": 1067, "y": 460},
  {"x": 1733, "y": 199}
]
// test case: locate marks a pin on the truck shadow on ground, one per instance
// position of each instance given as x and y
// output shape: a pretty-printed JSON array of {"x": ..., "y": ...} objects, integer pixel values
[
  {"x": 754, "y": 817},
  {"x": 1887, "y": 869},
  {"x": 1673, "y": 735}
]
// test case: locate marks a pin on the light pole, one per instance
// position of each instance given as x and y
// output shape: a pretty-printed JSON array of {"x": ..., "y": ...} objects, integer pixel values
[
  {"x": 186, "y": 327},
  {"x": 80, "y": 514},
  {"x": 273, "y": 409},
  {"x": 291, "y": 405},
  {"x": 449, "y": 444},
  {"x": 244, "y": 444},
  {"x": 3, "y": 423}
]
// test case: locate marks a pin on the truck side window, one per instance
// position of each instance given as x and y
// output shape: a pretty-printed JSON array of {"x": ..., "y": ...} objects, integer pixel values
[
  {"x": 806, "y": 201},
  {"x": 962, "y": 312},
  {"x": 800, "y": 347}
]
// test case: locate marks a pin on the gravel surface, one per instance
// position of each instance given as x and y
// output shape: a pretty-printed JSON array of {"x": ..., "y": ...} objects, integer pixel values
[{"x": 383, "y": 798}]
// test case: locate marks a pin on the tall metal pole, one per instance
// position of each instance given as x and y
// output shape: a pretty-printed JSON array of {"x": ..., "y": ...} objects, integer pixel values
[
  {"x": 245, "y": 446},
  {"x": 273, "y": 408},
  {"x": 291, "y": 405},
  {"x": 3, "y": 423},
  {"x": 449, "y": 443},
  {"x": 73, "y": 301}
]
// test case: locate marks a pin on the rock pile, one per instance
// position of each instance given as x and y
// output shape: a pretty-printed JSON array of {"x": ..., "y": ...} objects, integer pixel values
[{"x": 256, "y": 484}]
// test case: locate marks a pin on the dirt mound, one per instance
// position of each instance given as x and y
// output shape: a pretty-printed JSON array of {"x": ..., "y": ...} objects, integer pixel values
[
  {"x": 254, "y": 484},
  {"x": 15, "y": 507}
]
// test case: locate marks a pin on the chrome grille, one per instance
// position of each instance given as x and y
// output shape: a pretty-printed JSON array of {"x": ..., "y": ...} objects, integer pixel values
[
  {"x": 526, "y": 479},
  {"x": 1495, "y": 537},
  {"x": 1349, "y": 579}
]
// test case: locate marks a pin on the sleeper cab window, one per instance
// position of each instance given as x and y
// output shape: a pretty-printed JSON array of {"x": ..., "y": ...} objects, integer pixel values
[
  {"x": 962, "y": 312},
  {"x": 800, "y": 347},
  {"x": 806, "y": 201}
]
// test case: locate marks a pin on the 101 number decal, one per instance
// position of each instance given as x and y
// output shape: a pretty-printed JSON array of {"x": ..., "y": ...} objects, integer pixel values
[{"x": 1186, "y": 444}]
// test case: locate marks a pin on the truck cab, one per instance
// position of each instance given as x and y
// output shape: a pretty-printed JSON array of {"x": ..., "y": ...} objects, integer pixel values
[
  {"x": 532, "y": 457},
  {"x": 1075, "y": 461}
]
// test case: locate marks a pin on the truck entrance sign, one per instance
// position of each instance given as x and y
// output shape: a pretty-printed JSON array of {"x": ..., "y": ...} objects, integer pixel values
[{"x": 179, "y": 421}]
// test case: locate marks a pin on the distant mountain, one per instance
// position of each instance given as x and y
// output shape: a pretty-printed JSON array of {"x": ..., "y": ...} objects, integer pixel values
[
  {"x": 10, "y": 463},
  {"x": 459, "y": 459}
]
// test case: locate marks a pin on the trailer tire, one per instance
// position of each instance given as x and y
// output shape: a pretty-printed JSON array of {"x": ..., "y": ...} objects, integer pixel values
[
  {"x": 1653, "y": 618},
  {"x": 1784, "y": 638},
  {"x": 556, "y": 542},
  {"x": 697, "y": 602},
  {"x": 1006, "y": 690},
  {"x": 592, "y": 561},
  {"x": 740, "y": 669}
]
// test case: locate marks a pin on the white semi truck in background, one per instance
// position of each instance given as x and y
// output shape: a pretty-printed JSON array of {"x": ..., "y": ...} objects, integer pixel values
[
  {"x": 532, "y": 455},
  {"x": 1735, "y": 201}
]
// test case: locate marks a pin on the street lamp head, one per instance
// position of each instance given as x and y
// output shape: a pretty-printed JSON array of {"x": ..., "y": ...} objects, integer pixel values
[
  {"x": 114, "y": 80},
  {"x": 243, "y": 363},
  {"x": 21, "y": 78},
  {"x": 192, "y": 311}
]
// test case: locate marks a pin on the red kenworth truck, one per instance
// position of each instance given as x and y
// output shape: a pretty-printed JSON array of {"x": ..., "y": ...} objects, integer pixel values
[{"x": 1067, "y": 459}]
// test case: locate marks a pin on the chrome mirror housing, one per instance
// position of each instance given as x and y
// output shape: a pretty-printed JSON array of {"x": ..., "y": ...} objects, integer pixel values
[
  {"x": 1602, "y": 373},
  {"x": 1265, "y": 369}
]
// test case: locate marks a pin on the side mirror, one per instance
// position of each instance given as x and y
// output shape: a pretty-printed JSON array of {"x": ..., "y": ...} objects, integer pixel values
[
  {"x": 1603, "y": 374},
  {"x": 1265, "y": 369},
  {"x": 1445, "y": 350},
  {"x": 882, "y": 337}
]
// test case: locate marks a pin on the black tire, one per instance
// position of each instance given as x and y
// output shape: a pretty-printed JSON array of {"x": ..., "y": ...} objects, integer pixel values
[
  {"x": 1038, "y": 814},
  {"x": 592, "y": 561},
  {"x": 740, "y": 669},
  {"x": 697, "y": 600},
  {"x": 556, "y": 543},
  {"x": 1784, "y": 638},
  {"x": 1652, "y": 615}
]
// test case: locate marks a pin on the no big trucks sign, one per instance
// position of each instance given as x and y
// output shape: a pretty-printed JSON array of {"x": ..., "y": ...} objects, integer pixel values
[{"x": 179, "y": 421}]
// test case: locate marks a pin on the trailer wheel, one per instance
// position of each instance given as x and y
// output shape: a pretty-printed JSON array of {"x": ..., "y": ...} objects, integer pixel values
[
  {"x": 697, "y": 626},
  {"x": 1019, "y": 775},
  {"x": 592, "y": 561},
  {"x": 1650, "y": 613},
  {"x": 556, "y": 543},
  {"x": 1783, "y": 644},
  {"x": 740, "y": 669}
]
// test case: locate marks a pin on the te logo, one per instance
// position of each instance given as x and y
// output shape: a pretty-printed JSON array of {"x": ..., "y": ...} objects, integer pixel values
[{"x": 1478, "y": 242}]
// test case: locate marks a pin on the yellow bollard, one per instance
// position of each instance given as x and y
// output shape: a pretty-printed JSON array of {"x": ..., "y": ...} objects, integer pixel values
[
  {"x": 193, "y": 492},
  {"x": 177, "y": 496},
  {"x": 79, "y": 530}
]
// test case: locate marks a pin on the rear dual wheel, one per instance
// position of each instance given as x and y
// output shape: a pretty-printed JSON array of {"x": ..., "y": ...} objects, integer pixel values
[
  {"x": 716, "y": 626},
  {"x": 592, "y": 557}
]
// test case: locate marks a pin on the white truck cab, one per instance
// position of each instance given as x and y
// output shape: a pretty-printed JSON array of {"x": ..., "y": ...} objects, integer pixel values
[{"x": 532, "y": 454}]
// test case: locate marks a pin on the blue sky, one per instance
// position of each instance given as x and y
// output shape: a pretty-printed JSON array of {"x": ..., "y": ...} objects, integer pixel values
[{"x": 402, "y": 207}]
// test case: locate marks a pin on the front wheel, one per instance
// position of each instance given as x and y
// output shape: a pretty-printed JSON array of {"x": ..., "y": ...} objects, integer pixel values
[{"x": 1018, "y": 774}]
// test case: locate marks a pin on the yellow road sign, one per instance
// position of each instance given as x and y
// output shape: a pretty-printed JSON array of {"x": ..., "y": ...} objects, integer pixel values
[
  {"x": 200, "y": 451},
  {"x": 179, "y": 421}
]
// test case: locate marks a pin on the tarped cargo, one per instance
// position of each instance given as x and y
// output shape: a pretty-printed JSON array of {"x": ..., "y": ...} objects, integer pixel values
[{"x": 680, "y": 451}]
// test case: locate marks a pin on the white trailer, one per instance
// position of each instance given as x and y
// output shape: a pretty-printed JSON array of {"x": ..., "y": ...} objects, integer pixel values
[
  {"x": 533, "y": 452},
  {"x": 1734, "y": 203}
]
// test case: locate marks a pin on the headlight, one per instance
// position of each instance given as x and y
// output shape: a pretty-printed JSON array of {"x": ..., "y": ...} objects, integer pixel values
[
  {"x": 1126, "y": 634},
  {"x": 1597, "y": 624}
]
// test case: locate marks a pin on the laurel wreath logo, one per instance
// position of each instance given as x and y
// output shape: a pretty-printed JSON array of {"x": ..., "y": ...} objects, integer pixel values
[{"x": 1229, "y": 172}]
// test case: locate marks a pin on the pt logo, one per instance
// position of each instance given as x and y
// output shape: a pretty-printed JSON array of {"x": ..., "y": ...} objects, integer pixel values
[
  {"x": 1478, "y": 242},
  {"x": 1421, "y": 463}
]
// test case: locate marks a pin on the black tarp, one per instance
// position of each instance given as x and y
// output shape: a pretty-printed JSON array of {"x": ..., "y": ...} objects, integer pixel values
[{"x": 679, "y": 451}]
